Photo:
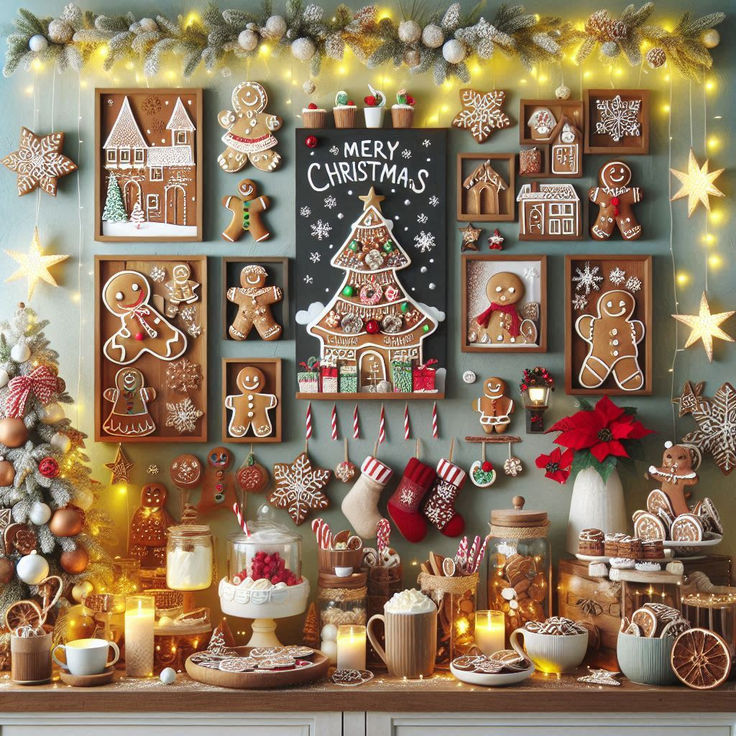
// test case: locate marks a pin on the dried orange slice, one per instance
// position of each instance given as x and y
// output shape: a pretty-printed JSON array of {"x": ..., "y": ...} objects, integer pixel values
[
  {"x": 24, "y": 613},
  {"x": 701, "y": 659}
]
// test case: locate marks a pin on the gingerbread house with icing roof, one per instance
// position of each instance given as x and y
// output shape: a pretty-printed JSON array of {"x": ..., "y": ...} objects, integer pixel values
[{"x": 548, "y": 211}]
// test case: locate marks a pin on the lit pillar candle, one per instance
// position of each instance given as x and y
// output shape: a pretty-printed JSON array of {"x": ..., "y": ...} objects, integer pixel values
[
  {"x": 140, "y": 613},
  {"x": 490, "y": 631},
  {"x": 350, "y": 647}
]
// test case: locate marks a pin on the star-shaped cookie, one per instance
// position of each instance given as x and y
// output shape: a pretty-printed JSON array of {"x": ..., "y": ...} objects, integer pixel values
[
  {"x": 39, "y": 162},
  {"x": 299, "y": 487},
  {"x": 470, "y": 236},
  {"x": 120, "y": 467},
  {"x": 482, "y": 113}
]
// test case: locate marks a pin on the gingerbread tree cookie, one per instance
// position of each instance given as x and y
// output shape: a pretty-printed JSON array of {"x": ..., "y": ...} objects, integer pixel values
[
  {"x": 254, "y": 300},
  {"x": 615, "y": 198}
]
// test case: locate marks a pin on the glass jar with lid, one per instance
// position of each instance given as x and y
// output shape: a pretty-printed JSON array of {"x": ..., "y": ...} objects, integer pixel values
[
  {"x": 519, "y": 565},
  {"x": 342, "y": 600},
  {"x": 189, "y": 557}
]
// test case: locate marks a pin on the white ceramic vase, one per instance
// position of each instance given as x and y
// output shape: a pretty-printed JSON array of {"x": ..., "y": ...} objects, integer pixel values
[
  {"x": 373, "y": 116},
  {"x": 595, "y": 504}
]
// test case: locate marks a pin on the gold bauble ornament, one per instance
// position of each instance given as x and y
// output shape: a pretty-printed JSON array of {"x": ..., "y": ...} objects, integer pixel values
[
  {"x": 74, "y": 561},
  {"x": 81, "y": 590},
  {"x": 13, "y": 433},
  {"x": 710, "y": 38},
  {"x": 67, "y": 522}
]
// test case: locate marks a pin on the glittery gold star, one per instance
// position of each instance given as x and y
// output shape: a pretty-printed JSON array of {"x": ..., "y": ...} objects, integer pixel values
[
  {"x": 34, "y": 266},
  {"x": 704, "y": 326},
  {"x": 697, "y": 184},
  {"x": 119, "y": 467}
]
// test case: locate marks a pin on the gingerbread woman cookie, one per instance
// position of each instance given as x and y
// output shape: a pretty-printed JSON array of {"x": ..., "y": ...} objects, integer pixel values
[
  {"x": 129, "y": 415},
  {"x": 615, "y": 198},
  {"x": 142, "y": 329},
  {"x": 501, "y": 322},
  {"x": 249, "y": 136},
  {"x": 250, "y": 408},
  {"x": 494, "y": 407},
  {"x": 148, "y": 527},
  {"x": 613, "y": 339},
  {"x": 246, "y": 207},
  {"x": 218, "y": 485},
  {"x": 180, "y": 289},
  {"x": 677, "y": 473},
  {"x": 254, "y": 300}
]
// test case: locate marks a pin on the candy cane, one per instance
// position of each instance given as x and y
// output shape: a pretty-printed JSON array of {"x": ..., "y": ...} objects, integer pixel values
[
  {"x": 473, "y": 553},
  {"x": 461, "y": 556},
  {"x": 383, "y": 533},
  {"x": 241, "y": 519},
  {"x": 435, "y": 428},
  {"x": 322, "y": 533},
  {"x": 356, "y": 424},
  {"x": 407, "y": 429},
  {"x": 308, "y": 420},
  {"x": 382, "y": 427},
  {"x": 333, "y": 422},
  {"x": 481, "y": 555}
]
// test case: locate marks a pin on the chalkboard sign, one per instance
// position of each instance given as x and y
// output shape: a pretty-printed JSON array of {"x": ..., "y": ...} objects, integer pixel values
[{"x": 371, "y": 262}]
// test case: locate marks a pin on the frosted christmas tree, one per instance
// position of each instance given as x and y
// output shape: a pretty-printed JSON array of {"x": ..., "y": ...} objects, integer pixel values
[
  {"x": 114, "y": 208},
  {"x": 371, "y": 322},
  {"x": 48, "y": 521}
]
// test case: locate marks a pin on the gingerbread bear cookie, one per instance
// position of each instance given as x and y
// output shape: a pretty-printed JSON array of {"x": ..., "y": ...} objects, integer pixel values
[
  {"x": 254, "y": 300},
  {"x": 142, "y": 329},
  {"x": 180, "y": 289},
  {"x": 218, "y": 485},
  {"x": 148, "y": 527},
  {"x": 495, "y": 407},
  {"x": 615, "y": 198},
  {"x": 250, "y": 408},
  {"x": 130, "y": 397},
  {"x": 676, "y": 473},
  {"x": 249, "y": 136},
  {"x": 613, "y": 342},
  {"x": 502, "y": 323},
  {"x": 246, "y": 207}
]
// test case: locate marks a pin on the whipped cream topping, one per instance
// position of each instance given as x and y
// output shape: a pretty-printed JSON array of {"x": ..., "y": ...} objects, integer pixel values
[{"x": 410, "y": 601}]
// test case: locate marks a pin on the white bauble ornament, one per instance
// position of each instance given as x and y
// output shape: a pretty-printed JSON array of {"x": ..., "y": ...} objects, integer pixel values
[
  {"x": 81, "y": 590},
  {"x": 60, "y": 442},
  {"x": 610, "y": 49},
  {"x": 309, "y": 87},
  {"x": 40, "y": 513},
  {"x": 4, "y": 377},
  {"x": 469, "y": 377},
  {"x": 453, "y": 51},
  {"x": 275, "y": 27},
  {"x": 60, "y": 31},
  {"x": 303, "y": 49},
  {"x": 711, "y": 38},
  {"x": 51, "y": 413},
  {"x": 432, "y": 36},
  {"x": 409, "y": 31},
  {"x": 148, "y": 24},
  {"x": 20, "y": 352},
  {"x": 329, "y": 649},
  {"x": 168, "y": 676},
  {"x": 38, "y": 43},
  {"x": 562, "y": 92},
  {"x": 32, "y": 568},
  {"x": 328, "y": 633},
  {"x": 248, "y": 40}
]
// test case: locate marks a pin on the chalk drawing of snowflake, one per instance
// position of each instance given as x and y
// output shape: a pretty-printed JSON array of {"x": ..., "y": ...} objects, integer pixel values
[
  {"x": 617, "y": 276},
  {"x": 308, "y": 279},
  {"x": 618, "y": 118},
  {"x": 406, "y": 153},
  {"x": 334, "y": 150},
  {"x": 305, "y": 211},
  {"x": 315, "y": 257},
  {"x": 426, "y": 143},
  {"x": 321, "y": 230},
  {"x": 330, "y": 202},
  {"x": 579, "y": 302},
  {"x": 422, "y": 219},
  {"x": 434, "y": 200},
  {"x": 587, "y": 278},
  {"x": 633, "y": 283},
  {"x": 424, "y": 242}
]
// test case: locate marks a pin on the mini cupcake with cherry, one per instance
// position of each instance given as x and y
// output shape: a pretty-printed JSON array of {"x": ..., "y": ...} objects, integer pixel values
[{"x": 314, "y": 116}]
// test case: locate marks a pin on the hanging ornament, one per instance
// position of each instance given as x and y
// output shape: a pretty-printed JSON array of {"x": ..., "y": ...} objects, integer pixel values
[
  {"x": 32, "y": 569},
  {"x": 40, "y": 513},
  {"x": 407, "y": 425},
  {"x": 381, "y": 426},
  {"x": 51, "y": 413},
  {"x": 60, "y": 442},
  {"x": 34, "y": 266},
  {"x": 148, "y": 24},
  {"x": 705, "y": 326},
  {"x": 435, "y": 422},
  {"x": 252, "y": 476},
  {"x": 120, "y": 467},
  {"x": 697, "y": 184},
  {"x": 610, "y": 49},
  {"x": 412, "y": 58},
  {"x": 432, "y": 36},
  {"x": 275, "y": 27},
  {"x": 710, "y": 38},
  {"x": 409, "y": 31},
  {"x": 84, "y": 498},
  {"x": 60, "y": 31},
  {"x": 20, "y": 352},
  {"x": 74, "y": 561},
  {"x": 469, "y": 377},
  {"x": 495, "y": 241},
  {"x": 356, "y": 423},
  {"x": 67, "y": 522},
  {"x": 48, "y": 467},
  {"x": 81, "y": 590},
  {"x": 563, "y": 92},
  {"x": 512, "y": 465},
  {"x": 453, "y": 51},
  {"x": 38, "y": 43},
  {"x": 470, "y": 235},
  {"x": 308, "y": 422},
  {"x": 333, "y": 422},
  {"x": 13, "y": 432},
  {"x": 7, "y": 472},
  {"x": 303, "y": 49},
  {"x": 482, "y": 473},
  {"x": 345, "y": 470},
  {"x": 309, "y": 87},
  {"x": 4, "y": 378},
  {"x": 656, "y": 57},
  {"x": 248, "y": 40}
]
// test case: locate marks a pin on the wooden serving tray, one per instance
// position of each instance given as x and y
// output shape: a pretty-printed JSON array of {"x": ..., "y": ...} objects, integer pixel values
[{"x": 259, "y": 680}]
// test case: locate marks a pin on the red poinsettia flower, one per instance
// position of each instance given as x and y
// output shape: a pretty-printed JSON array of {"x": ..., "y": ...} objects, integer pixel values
[
  {"x": 601, "y": 430},
  {"x": 556, "y": 465}
]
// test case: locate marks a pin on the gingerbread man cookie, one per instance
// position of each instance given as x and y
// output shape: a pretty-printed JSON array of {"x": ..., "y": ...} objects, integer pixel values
[
  {"x": 148, "y": 527},
  {"x": 249, "y": 136},
  {"x": 501, "y": 322},
  {"x": 676, "y": 474},
  {"x": 613, "y": 339},
  {"x": 254, "y": 300},
  {"x": 142, "y": 329},
  {"x": 180, "y": 289},
  {"x": 250, "y": 408},
  {"x": 246, "y": 207},
  {"x": 129, "y": 415},
  {"x": 218, "y": 485},
  {"x": 494, "y": 407},
  {"x": 615, "y": 198}
]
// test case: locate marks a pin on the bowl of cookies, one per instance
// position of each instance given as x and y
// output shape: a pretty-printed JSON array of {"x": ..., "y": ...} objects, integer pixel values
[{"x": 505, "y": 667}]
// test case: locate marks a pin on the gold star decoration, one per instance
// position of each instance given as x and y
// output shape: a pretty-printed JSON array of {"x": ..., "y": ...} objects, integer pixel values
[
  {"x": 481, "y": 113},
  {"x": 39, "y": 162},
  {"x": 371, "y": 199},
  {"x": 470, "y": 237},
  {"x": 705, "y": 326},
  {"x": 697, "y": 184},
  {"x": 34, "y": 266},
  {"x": 119, "y": 467}
]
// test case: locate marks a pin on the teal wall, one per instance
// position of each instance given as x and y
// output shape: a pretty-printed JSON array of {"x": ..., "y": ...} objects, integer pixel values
[{"x": 46, "y": 101}]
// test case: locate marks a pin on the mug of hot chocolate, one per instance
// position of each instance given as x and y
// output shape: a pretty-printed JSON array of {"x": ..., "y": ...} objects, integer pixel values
[
  {"x": 555, "y": 645},
  {"x": 410, "y": 623}
]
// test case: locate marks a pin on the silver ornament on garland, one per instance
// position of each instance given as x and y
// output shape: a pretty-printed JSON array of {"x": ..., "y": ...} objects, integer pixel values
[
  {"x": 275, "y": 27},
  {"x": 38, "y": 43},
  {"x": 610, "y": 49},
  {"x": 40, "y": 513},
  {"x": 562, "y": 92},
  {"x": 60, "y": 31},
  {"x": 303, "y": 49},
  {"x": 433, "y": 36},
  {"x": 453, "y": 51},
  {"x": 412, "y": 58},
  {"x": 409, "y": 31},
  {"x": 710, "y": 38},
  {"x": 248, "y": 40}
]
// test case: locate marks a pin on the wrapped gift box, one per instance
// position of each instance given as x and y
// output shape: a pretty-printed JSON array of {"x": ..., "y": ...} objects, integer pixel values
[
  {"x": 308, "y": 377},
  {"x": 348, "y": 379},
  {"x": 402, "y": 375},
  {"x": 424, "y": 376},
  {"x": 328, "y": 377}
]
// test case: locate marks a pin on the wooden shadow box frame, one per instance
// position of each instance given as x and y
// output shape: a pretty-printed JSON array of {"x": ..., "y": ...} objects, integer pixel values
[
  {"x": 576, "y": 348},
  {"x": 467, "y": 262},
  {"x": 271, "y": 368},
  {"x": 507, "y": 198},
  {"x": 595, "y": 143}
]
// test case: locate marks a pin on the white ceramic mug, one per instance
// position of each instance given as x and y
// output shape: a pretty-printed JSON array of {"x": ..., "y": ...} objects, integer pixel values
[
  {"x": 86, "y": 656},
  {"x": 551, "y": 652}
]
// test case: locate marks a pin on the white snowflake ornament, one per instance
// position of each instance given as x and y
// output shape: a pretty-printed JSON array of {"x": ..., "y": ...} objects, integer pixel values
[
  {"x": 182, "y": 415},
  {"x": 617, "y": 276},
  {"x": 579, "y": 302},
  {"x": 633, "y": 283},
  {"x": 587, "y": 278}
]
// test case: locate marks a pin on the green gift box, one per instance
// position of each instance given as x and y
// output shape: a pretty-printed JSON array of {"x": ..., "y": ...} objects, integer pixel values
[
  {"x": 401, "y": 374},
  {"x": 348, "y": 379}
]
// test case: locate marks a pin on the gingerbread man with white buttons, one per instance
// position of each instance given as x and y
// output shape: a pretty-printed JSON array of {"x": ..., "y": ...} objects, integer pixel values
[
  {"x": 615, "y": 198},
  {"x": 250, "y": 408}
]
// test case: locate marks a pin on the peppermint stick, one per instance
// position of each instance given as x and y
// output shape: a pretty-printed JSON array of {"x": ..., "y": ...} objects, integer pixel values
[
  {"x": 382, "y": 427},
  {"x": 462, "y": 552},
  {"x": 333, "y": 422},
  {"x": 308, "y": 422},
  {"x": 383, "y": 533},
  {"x": 356, "y": 424},
  {"x": 435, "y": 426},
  {"x": 481, "y": 555},
  {"x": 241, "y": 519},
  {"x": 322, "y": 533},
  {"x": 407, "y": 429},
  {"x": 474, "y": 549}
]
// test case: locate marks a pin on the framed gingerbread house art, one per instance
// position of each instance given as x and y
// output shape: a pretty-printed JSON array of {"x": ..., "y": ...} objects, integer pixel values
[{"x": 148, "y": 159}]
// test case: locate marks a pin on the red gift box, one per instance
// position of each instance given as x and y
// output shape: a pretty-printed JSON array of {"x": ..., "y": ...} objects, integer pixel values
[
  {"x": 328, "y": 375},
  {"x": 423, "y": 376}
]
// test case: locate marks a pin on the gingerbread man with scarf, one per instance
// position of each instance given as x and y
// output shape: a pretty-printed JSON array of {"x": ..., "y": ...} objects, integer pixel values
[{"x": 501, "y": 322}]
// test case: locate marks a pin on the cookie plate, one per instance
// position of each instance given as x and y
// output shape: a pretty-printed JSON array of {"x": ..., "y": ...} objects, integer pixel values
[
  {"x": 488, "y": 680},
  {"x": 692, "y": 549},
  {"x": 603, "y": 558}
]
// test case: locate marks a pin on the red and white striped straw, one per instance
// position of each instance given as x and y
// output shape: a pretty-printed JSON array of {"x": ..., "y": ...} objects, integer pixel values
[
  {"x": 333, "y": 422},
  {"x": 481, "y": 555},
  {"x": 407, "y": 428},
  {"x": 383, "y": 533},
  {"x": 382, "y": 427},
  {"x": 435, "y": 426},
  {"x": 308, "y": 420},
  {"x": 242, "y": 523},
  {"x": 356, "y": 424},
  {"x": 474, "y": 549}
]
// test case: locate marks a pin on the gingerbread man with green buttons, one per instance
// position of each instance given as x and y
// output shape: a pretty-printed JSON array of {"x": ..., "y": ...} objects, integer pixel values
[{"x": 246, "y": 207}]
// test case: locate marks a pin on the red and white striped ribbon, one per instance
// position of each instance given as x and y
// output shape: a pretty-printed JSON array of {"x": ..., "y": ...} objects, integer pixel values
[
  {"x": 308, "y": 422},
  {"x": 242, "y": 523},
  {"x": 333, "y": 422},
  {"x": 435, "y": 426},
  {"x": 407, "y": 428},
  {"x": 356, "y": 424},
  {"x": 382, "y": 427}
]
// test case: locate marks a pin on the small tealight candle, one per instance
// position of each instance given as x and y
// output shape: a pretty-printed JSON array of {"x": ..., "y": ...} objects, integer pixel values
[
  {"x": 490, "y": 631},
  {"x": 350, "y": 647},
  {"x": 140, "y": 613}
]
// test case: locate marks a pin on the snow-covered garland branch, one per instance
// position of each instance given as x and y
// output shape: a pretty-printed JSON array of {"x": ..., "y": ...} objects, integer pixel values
[{"x": 441, "y": 42}]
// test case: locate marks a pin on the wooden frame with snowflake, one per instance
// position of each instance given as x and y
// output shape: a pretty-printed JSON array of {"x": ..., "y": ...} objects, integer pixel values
[
  {"x": 616, "y": 121},
  {"x": 608, "y": 324},
  {"x": 150, "y": 348}
]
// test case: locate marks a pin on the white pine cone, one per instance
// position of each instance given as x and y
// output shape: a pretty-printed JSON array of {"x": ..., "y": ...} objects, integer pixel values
[{"x": 335, "y": 46}]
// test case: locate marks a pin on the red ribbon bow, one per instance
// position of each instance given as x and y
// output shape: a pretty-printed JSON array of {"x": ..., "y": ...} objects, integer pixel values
[
  {"x": 485, "y": 317},
  {"x": 42, "y": 382}
]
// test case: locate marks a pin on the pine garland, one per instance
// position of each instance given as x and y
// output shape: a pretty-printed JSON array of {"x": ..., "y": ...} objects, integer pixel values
[{"x": 444, "y": 45}]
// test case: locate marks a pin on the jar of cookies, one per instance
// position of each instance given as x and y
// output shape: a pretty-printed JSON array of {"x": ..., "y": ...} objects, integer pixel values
[
  {"x": 342, "y": 600},
  {"x": 519, "y": 565}
]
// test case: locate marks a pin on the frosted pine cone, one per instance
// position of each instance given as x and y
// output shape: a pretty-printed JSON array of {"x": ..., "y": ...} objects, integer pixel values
[{"x": 656, "y": 57}]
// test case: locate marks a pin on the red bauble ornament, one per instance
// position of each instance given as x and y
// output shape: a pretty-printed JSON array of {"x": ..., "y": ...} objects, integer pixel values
[
  {"x": 311, "y": 141},
  {"x": 67, "y": 521},
  {"x": 372, "y": 327},
  {"x": 48, "y": 467},
  {"x": 75, "y": 561}
]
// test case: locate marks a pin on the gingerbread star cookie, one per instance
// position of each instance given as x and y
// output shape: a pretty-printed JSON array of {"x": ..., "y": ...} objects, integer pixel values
[
  {"x": 482, "y": 113},
  {"x": 299, "y": 487}
]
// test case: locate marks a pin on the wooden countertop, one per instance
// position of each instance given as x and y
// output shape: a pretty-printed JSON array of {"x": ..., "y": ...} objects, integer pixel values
[{"x": 441, "y": 693}]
